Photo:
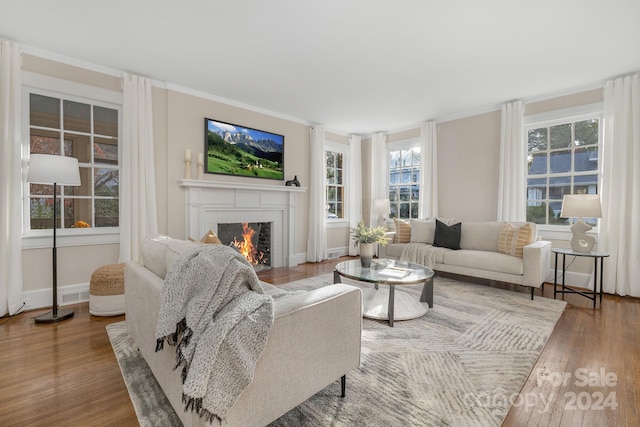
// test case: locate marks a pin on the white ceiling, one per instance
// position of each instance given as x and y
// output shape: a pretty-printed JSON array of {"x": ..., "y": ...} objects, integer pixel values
[{"x": 356, "y": 66}]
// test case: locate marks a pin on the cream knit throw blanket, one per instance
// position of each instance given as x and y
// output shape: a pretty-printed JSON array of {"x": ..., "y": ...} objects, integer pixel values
[
  {"x": 423, "y": 254},
  {"x": 215, "y": 311}
]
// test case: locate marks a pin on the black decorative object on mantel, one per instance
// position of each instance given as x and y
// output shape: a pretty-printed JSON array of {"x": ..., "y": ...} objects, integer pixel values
[{"x": 293, "y": 182}]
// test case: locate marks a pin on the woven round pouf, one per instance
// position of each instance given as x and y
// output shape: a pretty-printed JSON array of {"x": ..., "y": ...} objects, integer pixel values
[{"x": 106, "y": 290}]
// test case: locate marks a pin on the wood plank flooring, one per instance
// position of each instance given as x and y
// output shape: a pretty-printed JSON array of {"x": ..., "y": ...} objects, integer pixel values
[{"x": 65, "y": 374}]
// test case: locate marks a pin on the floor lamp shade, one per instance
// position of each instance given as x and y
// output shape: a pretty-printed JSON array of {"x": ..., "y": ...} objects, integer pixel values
[
  {"x": 53, "y": 169},
  {"x": 581, "y": 206}
]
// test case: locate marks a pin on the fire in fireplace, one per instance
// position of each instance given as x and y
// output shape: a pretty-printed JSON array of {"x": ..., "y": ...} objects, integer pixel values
[{"x": 252, "y": 240}]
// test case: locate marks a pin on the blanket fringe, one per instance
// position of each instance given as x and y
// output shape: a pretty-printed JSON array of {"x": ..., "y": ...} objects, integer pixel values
[{"x": 194, "y": 404}]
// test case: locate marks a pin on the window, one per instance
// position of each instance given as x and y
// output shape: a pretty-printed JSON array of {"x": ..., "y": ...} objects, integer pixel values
[
  {"x": 562, "y": 159},
  {"x": 404, "y": 182},
  {"x": 334, "y": 162},
  {"x": 88, "y": 131}
]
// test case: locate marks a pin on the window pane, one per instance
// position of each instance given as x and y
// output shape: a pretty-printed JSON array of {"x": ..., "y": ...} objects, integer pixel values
[
  {"x": 331, "y": 193},
  {"x": 44, "y": 142},
  {"x": 560, "y": 136},
  {"x": 106, "y": 182},
  {"x": 537, "y": 213},
  {"x": 585, "y": 184},
  {"x": 586, "y": 159},
  {"x": 406, "y": 157},
  {"x": 44, "y": 111},
  {"x": 414, "y": 210},
  {"x": 106, "y": 213},
  {"x": 537, "y": 188},
  {"x": 331, "y": 176},
  {"x": 78, "y": 146},
  {"x": 339, "y": 193},
  {"x": 416, "y": 156},
  {"x": 105, "y": 121},
  {"x": 338, "y": 160},
  {"x": 394, "y": 177},
  {"x": 560, "y": 161},
  {"x": 76, "y": 210},
  {"x": 587, "y": 132},
  {"x": 331, "y": 160},
  {"x": 394, "y": 211},
  {"x": 406, "y": 176},
  {"x": 405, "y": 194},
  {"x": 77, "y": 116},
  {"x": 555, "y": 207},
  {"x": 42, "y": 189},
  {"x": 559, "y": 186},
  {"x": 338, "y": 176},
  {"x": 84, "y": 189},
  {"x": 339, "y": 210},
  {"x": 537, "y": 140},
  {"x": 393, "y": 194},
  {"x": 42, "y": 213},
  {"x": 394, "y": 159},
  {"x": 404, "y": 210},
  {"x": 538, "y": 163},
  {"x": 415, "y": 193}
]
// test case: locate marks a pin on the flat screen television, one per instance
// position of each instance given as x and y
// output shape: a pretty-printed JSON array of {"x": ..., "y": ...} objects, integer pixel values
[{"x": 242, "y": 151}]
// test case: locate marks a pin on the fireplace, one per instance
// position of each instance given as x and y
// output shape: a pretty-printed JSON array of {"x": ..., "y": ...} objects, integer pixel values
[
  {"x": 251, "y": 239},
  {"x": 210, "y": 204}
]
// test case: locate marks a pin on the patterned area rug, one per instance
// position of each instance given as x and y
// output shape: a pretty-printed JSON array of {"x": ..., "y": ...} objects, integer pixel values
[{"x": 462, "y": 364}]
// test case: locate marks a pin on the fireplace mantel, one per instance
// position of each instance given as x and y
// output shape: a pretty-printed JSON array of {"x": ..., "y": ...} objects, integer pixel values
[{"x": 209, "y": 202}]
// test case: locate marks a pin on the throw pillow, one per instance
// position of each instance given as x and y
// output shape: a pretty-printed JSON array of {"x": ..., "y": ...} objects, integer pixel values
[
  {"x": 403, "y": 231},
  {"x": 422, "y": 230},
  {"x": 447, "y": 236},
  {"x": 512, "y": 239}
]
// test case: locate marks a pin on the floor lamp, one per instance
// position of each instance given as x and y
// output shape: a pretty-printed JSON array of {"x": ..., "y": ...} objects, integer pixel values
[{"x": 48, "y": 169}]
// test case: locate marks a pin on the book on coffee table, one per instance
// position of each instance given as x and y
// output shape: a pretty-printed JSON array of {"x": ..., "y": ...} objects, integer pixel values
[{"x": 395, "y": 272}]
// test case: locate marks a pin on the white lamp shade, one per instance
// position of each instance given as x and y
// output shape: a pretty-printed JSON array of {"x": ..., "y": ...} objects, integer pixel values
[
  {"x": 49, "y": 169},
  {"x": 581, "y": 206},
  {"x": 381, "y": 206}
]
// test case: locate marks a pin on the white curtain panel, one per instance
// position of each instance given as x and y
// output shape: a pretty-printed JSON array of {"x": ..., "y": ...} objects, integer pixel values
[
  {"x": 428, "y": 203},
  {"x": 317, "y": 236},
  {"x": 512, "y": 184},
  {"x": 138, "y": 209},
  {"x": 379, "y": 172},
  {"x": 620, "y": 225},
  {"x": 10, "y": 180},
  {"x": 355, "y": 185}
]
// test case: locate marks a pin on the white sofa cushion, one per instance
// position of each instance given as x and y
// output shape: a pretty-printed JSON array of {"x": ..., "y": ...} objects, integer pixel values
[
  {"x": 484, "y": 260},
  {"x": 158, "y": 253},
  {"x": 480, "y": 236}
]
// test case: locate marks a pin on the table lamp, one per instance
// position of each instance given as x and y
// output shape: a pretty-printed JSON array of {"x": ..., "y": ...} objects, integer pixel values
[
  {"x": 381, "y": 208},
  {"x": 54, "y": 169},
  {"x": 581, "y": 206}
]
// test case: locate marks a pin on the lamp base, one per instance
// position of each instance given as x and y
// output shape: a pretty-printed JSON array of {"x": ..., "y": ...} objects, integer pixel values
[
  {"x": 50, "y": 318},
  {"x": 581, "y": 241}
]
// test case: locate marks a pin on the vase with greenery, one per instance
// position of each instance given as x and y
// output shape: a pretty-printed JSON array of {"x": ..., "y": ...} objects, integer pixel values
[{"x": 367, "y": 238}]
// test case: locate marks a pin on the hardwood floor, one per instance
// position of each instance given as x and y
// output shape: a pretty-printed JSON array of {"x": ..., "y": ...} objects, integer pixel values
[{"x": 66, "y": 374}]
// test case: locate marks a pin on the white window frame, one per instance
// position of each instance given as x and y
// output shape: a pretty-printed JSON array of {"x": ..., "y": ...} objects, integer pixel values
[
  {"x": 344, "y": 150},
  {"x": 405, "y": 144},
  {"x": 68, "y": 90},
  {"x": 557, "y": 117}
]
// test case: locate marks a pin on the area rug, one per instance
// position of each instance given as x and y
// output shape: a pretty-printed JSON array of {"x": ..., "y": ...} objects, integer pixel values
[{"x": 462, "y": 364}]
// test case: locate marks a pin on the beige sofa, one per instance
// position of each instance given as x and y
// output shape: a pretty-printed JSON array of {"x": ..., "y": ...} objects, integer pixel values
[
  {"x": 314, "y": 341},
  {"x": 479, "y": 255}
]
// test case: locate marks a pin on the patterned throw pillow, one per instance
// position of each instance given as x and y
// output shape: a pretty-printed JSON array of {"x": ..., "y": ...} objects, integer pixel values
[
  {"x": 403, "y": 231},
  {"x": 512, "y": 239}
]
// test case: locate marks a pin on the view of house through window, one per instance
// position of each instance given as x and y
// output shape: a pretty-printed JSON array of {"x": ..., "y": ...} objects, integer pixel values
[
  {"x": 89, "y": 133},
  {"x": 404, "y": 182},
  {"x": 335, "y": 184},
  {"x": 562, "y": 159}
]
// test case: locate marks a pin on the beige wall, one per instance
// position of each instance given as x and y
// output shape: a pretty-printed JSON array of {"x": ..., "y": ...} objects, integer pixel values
[{"x": 468, "y": 155}]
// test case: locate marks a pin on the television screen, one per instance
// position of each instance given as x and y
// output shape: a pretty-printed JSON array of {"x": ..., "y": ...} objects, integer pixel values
[{"x": 238, "y": 150}]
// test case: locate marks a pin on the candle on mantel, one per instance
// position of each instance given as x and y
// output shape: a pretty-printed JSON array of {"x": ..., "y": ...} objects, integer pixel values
[
  {"x": 187, "y": 154},
  {"x": 200, "y": 159}
]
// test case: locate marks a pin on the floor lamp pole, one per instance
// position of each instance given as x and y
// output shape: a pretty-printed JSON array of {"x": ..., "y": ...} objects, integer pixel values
[{"x": 55, "y": 315}]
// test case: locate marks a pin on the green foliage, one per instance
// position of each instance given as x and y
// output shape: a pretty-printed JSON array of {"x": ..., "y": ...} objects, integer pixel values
[{"x": 363, "y": 234}]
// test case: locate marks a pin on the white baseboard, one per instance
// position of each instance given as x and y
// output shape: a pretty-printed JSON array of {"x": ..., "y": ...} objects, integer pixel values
[
  {"x": 69, "y": 294},
  {"x": 338, "y": 252}
]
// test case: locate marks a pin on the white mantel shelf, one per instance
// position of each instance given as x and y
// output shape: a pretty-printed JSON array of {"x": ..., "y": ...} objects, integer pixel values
[
  {"x": 238, "y": 186},
  {"x": 208, "y": 203}
]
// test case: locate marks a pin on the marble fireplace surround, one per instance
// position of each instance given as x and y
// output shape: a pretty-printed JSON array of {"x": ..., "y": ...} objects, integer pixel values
[{"x": 208, "y": 203}]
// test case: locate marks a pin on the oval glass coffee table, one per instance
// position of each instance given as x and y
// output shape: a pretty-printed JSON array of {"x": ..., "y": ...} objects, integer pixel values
[{"x": 384, "y": 302}]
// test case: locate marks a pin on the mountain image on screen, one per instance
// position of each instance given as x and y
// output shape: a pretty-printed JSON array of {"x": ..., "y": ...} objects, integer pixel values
[{"x": 237, "y": 150}]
